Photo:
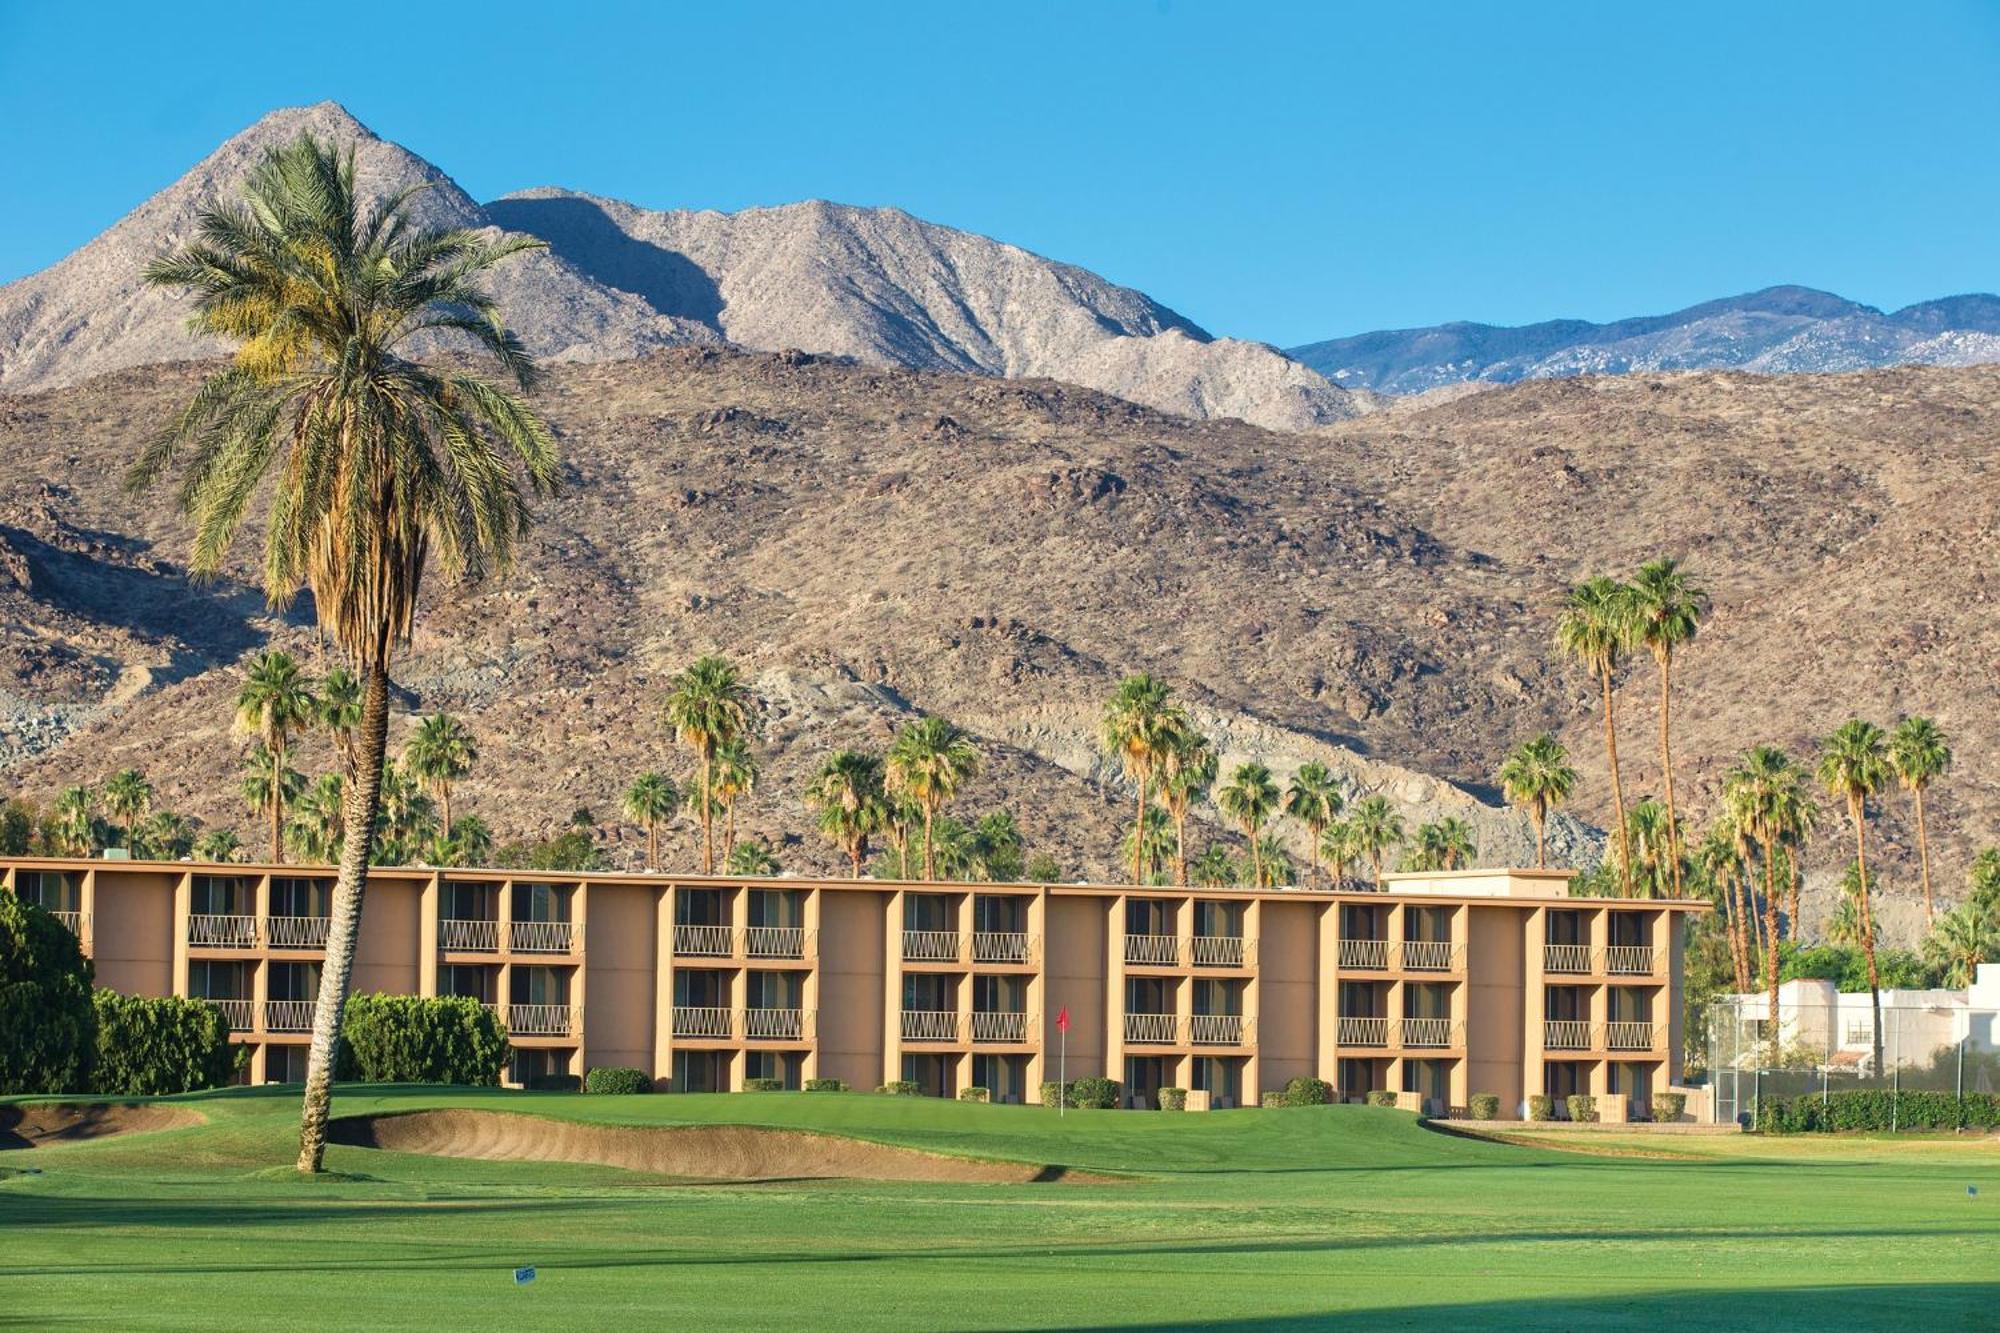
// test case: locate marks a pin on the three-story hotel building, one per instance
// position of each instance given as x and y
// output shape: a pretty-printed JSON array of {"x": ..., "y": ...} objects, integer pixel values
[{"x": 1440, "y": 986}]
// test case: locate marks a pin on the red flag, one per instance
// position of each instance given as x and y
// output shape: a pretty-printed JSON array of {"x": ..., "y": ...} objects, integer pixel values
[{"x": 1062, "y": 1019}]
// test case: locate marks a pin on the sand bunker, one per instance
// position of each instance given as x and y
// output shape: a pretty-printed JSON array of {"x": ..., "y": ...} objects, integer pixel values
[
  {"x": 45, "y": 1124},
  {"x": 707, "y": 1152}
]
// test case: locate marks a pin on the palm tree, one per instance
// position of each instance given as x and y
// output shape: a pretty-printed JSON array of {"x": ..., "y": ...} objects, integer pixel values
[
  {"x": 1186, "y": 774},
  {"x": 1271, "y": 863},
  {"x": 1766, "y": 798},
  {"x": 1458, "y": 845},
  {"x": 440, "y": 752},
  {"x": 1666, "y": 607},
  {"x": 847, "y": 793},
  {"x": 268, "y": 785},
  {"x": 1722, "y": 861},
  {"x": 316, "y": 827},
  {"x": 1141, "y": 726},
  {"x": 1854, "y": 766},
  {"x": 1374, "y": 829},
  {"x": 340, "y": 712},
  {"x": 219, "y": 845},
  {"x": 1653, "y": 843},
  {"x": 127, "y": 796},
  {"x": 1596, "y": 629},
  {"x": 166, "y": 836},
  {"x": 734, "y": 775},
  {"x": 1215, "y": 868},
  {"x": 75, "y": 820},
  {"x": 1844, "y": 926},
  {"x": 1336, "y": 849},
  {"x": 276, "y": 699},
  {"x": 650, "y": 801},
  {"x": 1538, "y": 775},
  {"x": 1313, "y": 799},
  {"x": 1250, "y": 798},
  {"x": 707, "y": 706},
  {"x": 999, "y": 847},
  {"x": 382, "y": 462},
  {"x": 1152, "y": 839},
  {"x": 929, "y": 761},
  {"x": 467, "y": 842},
  {"x": 750, "y": 858},
  {"x": 1961, "y": 940},
  {"x": 1919, "y": 754}
]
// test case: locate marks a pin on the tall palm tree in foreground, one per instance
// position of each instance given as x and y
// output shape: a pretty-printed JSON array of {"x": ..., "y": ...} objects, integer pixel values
[
  {"x": 440, "y": 752},
  {"x": 1186, "y": 774},
  {"x": 377, "y": 463},
  {"x": 708, "y": 706},
  {"x": 1374, "y": 829},
  {"x": 847, "y": 793},
  {"x": 929, "y": 761},
  {"x": 1537, "y": 774},
  {"x": 1854, "y": 767},
  {"x": 1313, "y": 799},
  {"x": 1920, "y": 755},
  {"x": 1595, "y": 629},
  {"x": 276, "y": 700},
  {"x": 1142, "y": 725},
  {"x": 1666, "y": 608},
  {"x": 1250, "y": 797},
  {"x": 649, "y": 802}
]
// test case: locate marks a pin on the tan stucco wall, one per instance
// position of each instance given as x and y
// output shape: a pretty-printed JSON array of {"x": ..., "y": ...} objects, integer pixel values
[
  {"x": 1076, "y": 945},
  {"x": 385, "y": 956},
  {"x": 621, "y": 944},
  {"x": 852, "y": 944},
  {"x": 1287, "y": 1002},
  {"x": 1495, "y": 1015},
  {"x": 132, "y": 932}
]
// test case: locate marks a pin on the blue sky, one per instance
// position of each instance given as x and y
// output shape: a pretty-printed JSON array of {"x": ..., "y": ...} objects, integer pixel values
[{"x": 1277, "y": 171}]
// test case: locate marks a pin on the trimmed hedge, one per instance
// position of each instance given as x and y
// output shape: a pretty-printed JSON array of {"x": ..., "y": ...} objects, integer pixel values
[
  {"x": 1878, "y": 1109},
  {"x": 1308, "y": 1092},
  {"x": 423, "y": 1039},
  {"x": 1270, "y": 1097},
  {"x": 555, "y": 1083},
  {"x": 1541, "y": 1106},
  {"x": 152, "y": 1047},
  {"x": 1668, "y": 1106},
  {"x": 1094, "y": 1094},
  {"x": 1173, "y": 1099},
  {"x": 1483, "y": 1106},
  {"x": 1582, "y": 1108},
  {"x": 763, "y": 1085},
  {"x": 1055, "y": 1094},
  {"x": 975, "y": 1093},
  {"x": 618, "y": 1080},
  {"x": 902, "y": 1087},
  {"x": 824, "y": 1085},
  {"x": 1381, "y": 1097}
]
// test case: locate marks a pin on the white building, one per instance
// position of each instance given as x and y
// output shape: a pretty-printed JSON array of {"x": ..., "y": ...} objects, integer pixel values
[{"x": 1820, "y": 1026}]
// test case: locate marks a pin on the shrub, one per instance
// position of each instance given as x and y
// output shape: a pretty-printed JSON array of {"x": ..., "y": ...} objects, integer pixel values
[
  {"x": 1056, "y": 1094},
  {"x": 1667, "y": 1106},
  {"x": 1878, "y": 1109},
  {"x": 1173, "y": 1099},
  {"x": 1270, "y": 1098},
  {"x": 48, "y": 1025},
  {"x": 902, "y": 1087},
  {"x": 1308, "y": 1092},
  {"x": 150, "y": 1047},
  {"x": 1381, "y": 1097},
  {"x": 617, "y": 1079},
  {"x": 1484, "y": 1106},
  {"x": 1582, "y": 1108},
  {"x": 763, "y": 1085},
  {"x": 825, "y": 1085},
  {"x": 554, "y": 1083},
  {"x": 975, "y": 1093},
  {"x": 1541, "y": 1107},
  {"x": 424, "y": 1039},
  {"x": 1096, "y": 1094}
]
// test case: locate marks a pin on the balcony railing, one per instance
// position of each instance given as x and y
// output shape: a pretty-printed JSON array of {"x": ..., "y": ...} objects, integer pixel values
[
  {"x": 774, "y": 1024},
  {"x": 1427, "y": 1032},
  {"x": 238, "y": 1013},
  {"x": 1427, "y": 955},
  {"x": 288, "y": 1015},
  {"x": 1217, "y": 1029},
  {"x": 1218, "y": 951},
  {"x": 1370, "y": 955},
  {"x": 469, "y": 935},
  {"x": 295, "y": 932},
  {"x": 1629, "y": 1036},
  {"x": 999, "y": 1026},
  {"x": 1629, "y": 960},
  {"x": 1151, "y": 1029},
  {"x": 1566, "y": 1034},
  {"x": 1000, "y": 946},
  {"x": 1566, "y": 958},
  {"x": 930, "y": 946},
  {"x": 703, "y": 1024},
  {"x": 541, "y": 1020},
  {"x": 776, "y": 941},
  {"x": 930, "y": 1025},
  {"x": 541, "y": 936},
  {"x": 222, "y": 932},
  {"x": 76, "y": 923},
  {"x": 1363, "y": 1032},
  {"x": 704, "y": 941},
  {"x": 1153, "y": 950}
]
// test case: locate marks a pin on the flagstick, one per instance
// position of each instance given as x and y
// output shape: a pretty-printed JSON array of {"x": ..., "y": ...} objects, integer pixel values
[{"x": 1062, "y": 1075}]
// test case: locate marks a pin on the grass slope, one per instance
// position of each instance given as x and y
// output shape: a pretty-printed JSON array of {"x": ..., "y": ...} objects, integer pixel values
[{"x": 1326, "y": 1217}]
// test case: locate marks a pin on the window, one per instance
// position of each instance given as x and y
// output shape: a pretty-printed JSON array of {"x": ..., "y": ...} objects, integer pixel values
[
  {"x": 774, "y": 990},
  {"x": 1426, "y": 1000},
  {"x": 1148, "y": 916},
  {"x": 928, "y": 992},
  {"x": 1005, "y": 1077},
  {"x": 539, "y": 985},
  {"x": 1149, "y": 995},
  {"x": 219, "y": 895},
  {"x": 1218, "y": 997},
  {"x": 927, "y": 911},
  {"x": 294, "y": 981},
  {"x": 50, "y": 890},
  {"x": 532, "y": 1064},
  {"x": 999, "y": 995},
  {"x": 697, "y": 988},
  {"x": 541, "y": 902},
  {"x": 999, "y": 915},
  {"x": 701, "y": 1071},
  {"x": 468, "y": 980},
  {"x": 209, "y": 980},
  {"x": 781, "y": 908},
  {"x": 699, "y": 907},
  {"x": 471, "y": 902},
  {"x": 1218, "y": 920},
  {"x": 301, "y": 897},
  {"x": 285, "y": 1064},
  {"x": 781, "y": 1065}
]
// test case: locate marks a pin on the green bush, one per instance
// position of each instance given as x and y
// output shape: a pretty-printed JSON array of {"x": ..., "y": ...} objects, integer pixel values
[
  {"x": 1582, "y": 1108},
  {"x": 554, "y": 1083},
  {"x": 1668, "y": 1106},
  {"x": 902, "y": 1087},
  {"x": 1056, "y": 1094},
  {"x": 48, "y": 1025},
  {"x": 1270, "y": 1097},
  {"x": 1173, "y": 1099},
  {"x": 423, "y": 1039},
  {"x": 1096, "y": 1094},
  {"x": 1877, "y": 1109},
  {"x": 617, "y": 1080},
  {"x": 1484, "y": 1106},
  {"x": 1308, "y": 1092},
  {"x": 825, "y": 1085},
  {"x": 152, "y": 1047},
  {"x": 1541, "y": 1107},
  {"x": 975, "y": 1093},
  {"x": 1381, "y": 1097},
  {"x": 763, "y": 1085}
]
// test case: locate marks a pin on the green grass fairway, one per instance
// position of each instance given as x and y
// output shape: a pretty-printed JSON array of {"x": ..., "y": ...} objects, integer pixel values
[{"x": 1325, "y": 1217}]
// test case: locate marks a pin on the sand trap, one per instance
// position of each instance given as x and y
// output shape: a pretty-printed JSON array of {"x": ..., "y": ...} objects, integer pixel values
[
  {"x": 707, "y": 1152},
  {"x": 45, "y": 1124}
]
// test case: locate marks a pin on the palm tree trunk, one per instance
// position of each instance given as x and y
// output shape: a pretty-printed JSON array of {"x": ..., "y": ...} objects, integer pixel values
[
  {"x": 652, "y": 844},
  {"x": 363, "y": 798},
  {"x": 855, "y": 851},
  {"x": 444, "y": 804},
  {"x": 1139, "y": 835},
  {"x": 1617, "y": 787},
  {"x": 1180, "y": 847},
  {"x": 707, "y": 821},
  {"x": 278, "y": 798},
  {"x": 1541, "y": 815},
  {"x": 1375, "y": 859},
  {"x": 930, "y": 851},
  {"x": 1859, "y": 813},
  {"x": 1923, "y": 852},
  {"x": 728, "y": 830},
  {"x": 1733, "y": 918},
  {"x": 1771, "y": 942},
  {"x": 1667, "y": 767},
  {"x": 1792, "y": 892}
]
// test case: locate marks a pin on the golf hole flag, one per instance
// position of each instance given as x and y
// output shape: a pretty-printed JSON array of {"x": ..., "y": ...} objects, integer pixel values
[{"x": 1062, "y": 1019}]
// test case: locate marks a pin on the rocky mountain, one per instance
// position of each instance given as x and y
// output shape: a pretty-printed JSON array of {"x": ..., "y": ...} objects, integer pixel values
[
  {"x": 1779, "y": 330},
  {"x": 875, "y": 284}
]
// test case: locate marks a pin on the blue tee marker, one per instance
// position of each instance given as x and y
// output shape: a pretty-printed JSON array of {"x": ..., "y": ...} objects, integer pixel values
[{"x": 523, "y": 1276}]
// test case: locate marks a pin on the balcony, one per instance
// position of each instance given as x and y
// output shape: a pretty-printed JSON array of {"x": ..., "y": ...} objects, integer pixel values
[
  {"x": 288, "y": 1015},
  {"x": 541, "y": 936},
  {"x": 541, "y": 1020},
  {"x": 222, "y": 932},
  {"x": 930, "y": 1025},
  {"x": 295, "y": 932},
  {"x": 1428, "y": 1032},
  {"x": 76, "y": 923},
  {"x": 1218, "y": 951},
  {"x": 776, "y": 941},
  {"x": 1365, "y": 955},
  {"x": 1217, "y": 1029},
  {"x": 1629, "y": 960},
  {"x": 1628, "y": 1036},
  {"x": 1151, "y": 1029},
  {"x": 1363, "y": 1032},
  {"x": 1153, "y": 950},
  {"x": 774, "y": 1024},
  {"x": 1427, "y": 955},
  {"x": 238, "y": 1013},
  {"x": 999, "y": 1026},
  {"x": 1570, "y": 958},
  {"x": 702, "y": 1024},
  {"x": 1566, "y": 1034},
  {"x": 468, "y": 935},
  {"x": 930, "y": 946},
  {"x": 1001, "y": 946},
  {"x": 704, "y": 941}
]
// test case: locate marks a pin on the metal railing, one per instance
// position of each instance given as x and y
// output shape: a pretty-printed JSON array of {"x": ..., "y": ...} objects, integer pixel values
[
  {"x": 1629, "y": 960},
  {"x": 1427, "y": 1032},
  {"x": 541, "y": 936},
  {"x": 222, "y": 932},
  {"x": 288, "y": 1015},
  {"x": 1218, "y": 951},
  {"x": 541, "y": 1020},
  {"x": 776, "y": 941},
  {"x": 710, "y": 1024},
  {"x": 1217, "y": 1030},
  {"x": 1363, "y": 1031},
  {"x": 1427, "y": 955},
  {"x": 76, "y": 923},
  {"x": 295, "y": 932},
  {"x": 469, "y": 934},
  {"x": 1152, "y": 1029},
  {"x": 1000, "y": 946},
  {"x": 240, "y": 1014},
  {"x": 1628, "y": 1036},
  {"x": 704, "y": 941},
  {"x": 930, "y": 1025},
  {"x": 774, "y": 1024},
  {"x": 1372, "y": 955},
  {"x": 1566, "y": 958},
  {"x": 1153, "y": 950},
  {"x": 999, "y": 1025},
  {"x": 930, "y": 946},
  {"x": 1566, "y": 1034}
]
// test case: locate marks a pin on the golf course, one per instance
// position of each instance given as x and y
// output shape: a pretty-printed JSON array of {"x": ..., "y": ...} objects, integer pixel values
[{"x": 186, "y": 1212}]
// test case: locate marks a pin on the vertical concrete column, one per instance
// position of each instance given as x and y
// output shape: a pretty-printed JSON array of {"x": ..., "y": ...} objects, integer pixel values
[
  {"x": 503, "y": 916},
  {"x": 1326, "y": 994},
  {"x": 663, "y": 985},
  {"x": 183, "y": 905},
  {"x": 579, "y": 980},
  {"x": 1037, "y": 1000},
  {"x": 1114, "y": 989},
  {"x": 87, "y": 904},
  {"x": 739, "y": 999},
  {"x": 965, "y": 918},
  {"x": 809, "y": 917},
  {"x": 430, "y": 900},
  {"x": 1598, "y": 923},
  {"x": 1184, "y": 931},
  {"x": 738, "y": 904},
  {"x": 1674, "y": 952},
  {"x": 1253, "y": 1000},
  {"x": 260, "y": 898},
  {"x": 1534, "y": 1003},
  {"x": 1393, "y": 932},
  {"x": 892, "y": 987}
]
